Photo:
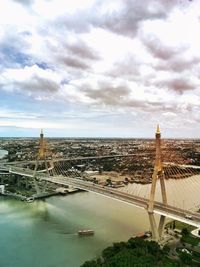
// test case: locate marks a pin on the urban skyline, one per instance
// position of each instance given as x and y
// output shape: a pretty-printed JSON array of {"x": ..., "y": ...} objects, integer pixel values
[{"x": 99, "y": 69}]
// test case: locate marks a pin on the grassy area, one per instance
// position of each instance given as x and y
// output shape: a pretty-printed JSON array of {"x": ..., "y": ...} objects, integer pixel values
[
  {"x": 190, "y": 239},
  {"x": 180, "y": 225}
]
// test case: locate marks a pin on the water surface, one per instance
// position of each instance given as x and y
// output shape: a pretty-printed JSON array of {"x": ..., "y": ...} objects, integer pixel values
[{"x": 44, "y": 233}]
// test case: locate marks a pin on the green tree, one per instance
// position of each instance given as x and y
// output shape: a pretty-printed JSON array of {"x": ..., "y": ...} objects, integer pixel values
[
  {"x": 108, "y": 252},
  {"x": 186, "y": 258},
  {"x": 185, "y": 232},
  {"x": 134, "y": 253},
  {"x": 166, "y": 249}
]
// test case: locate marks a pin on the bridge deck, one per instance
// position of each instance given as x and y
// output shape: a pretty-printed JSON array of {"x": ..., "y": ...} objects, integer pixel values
[{"x": 159, "y": 208}]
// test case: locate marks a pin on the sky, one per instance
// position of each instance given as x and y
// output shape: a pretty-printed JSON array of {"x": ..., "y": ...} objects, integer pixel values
[{"x": 100, "y": 68}]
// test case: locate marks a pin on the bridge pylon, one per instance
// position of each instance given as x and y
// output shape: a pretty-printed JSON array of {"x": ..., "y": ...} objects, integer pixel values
[
  {"x": 158, "y": 174},
  {"x": 41, "y": 158}
]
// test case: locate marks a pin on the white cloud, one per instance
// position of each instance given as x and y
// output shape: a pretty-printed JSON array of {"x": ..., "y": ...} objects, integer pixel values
[
  {"x": 15, "y": 16},
  {"x": 102, "y": 56},
  {"x": 33, "y": 80},
  {"x": 32, "y": 124},
  {"x": 52, "y": 9}
]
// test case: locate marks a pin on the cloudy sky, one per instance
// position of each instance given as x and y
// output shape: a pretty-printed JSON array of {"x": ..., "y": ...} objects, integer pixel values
[{"x": 107, "y": 68}]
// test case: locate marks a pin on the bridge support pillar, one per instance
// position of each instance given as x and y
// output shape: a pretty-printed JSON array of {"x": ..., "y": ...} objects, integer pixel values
[
  {"x": 156, "y": 232},
  {"x": 158, "y": 174},
  {"x": 26, "y": 182},
  {"x": 154, "y": 229},
  {"x": 161, "y": 225},
  {"x": 18, "y": 180},
  {"x": 37, "y": 188}
]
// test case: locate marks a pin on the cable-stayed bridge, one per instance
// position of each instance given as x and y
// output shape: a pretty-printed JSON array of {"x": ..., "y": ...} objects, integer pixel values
[
  {"x": 159, "y": 208},
  {"x": 56, "y": 173}
]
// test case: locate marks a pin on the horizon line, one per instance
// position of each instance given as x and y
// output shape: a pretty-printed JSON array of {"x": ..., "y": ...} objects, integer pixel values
[{"x": 98, "y": 137}]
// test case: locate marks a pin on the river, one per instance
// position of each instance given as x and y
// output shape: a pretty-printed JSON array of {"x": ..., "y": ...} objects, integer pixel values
[{"x": 44, "y": 233}]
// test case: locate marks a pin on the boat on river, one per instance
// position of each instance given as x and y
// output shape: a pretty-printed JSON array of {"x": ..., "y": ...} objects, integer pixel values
[
  {"x": 30, "y": 199},
  {"x": 85, "y": 232}
]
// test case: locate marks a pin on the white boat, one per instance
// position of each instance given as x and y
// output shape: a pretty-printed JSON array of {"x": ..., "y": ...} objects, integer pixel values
[
  {"x": 30, "y": 199},
  {"x": 85, "y": 232}
]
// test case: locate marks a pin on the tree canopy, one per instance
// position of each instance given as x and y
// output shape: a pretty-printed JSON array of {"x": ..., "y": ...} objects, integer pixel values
[{"x": 136, "y": 252}]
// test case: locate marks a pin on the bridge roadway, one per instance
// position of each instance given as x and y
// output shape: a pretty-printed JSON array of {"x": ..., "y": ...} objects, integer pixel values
[
  {"x": 159, "y": 208},
  {"x": 24, "y": 172}
]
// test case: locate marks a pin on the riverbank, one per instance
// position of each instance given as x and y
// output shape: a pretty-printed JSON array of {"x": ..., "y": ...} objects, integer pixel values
[
  {"x": 42, "y": 195},
  {"x": 116, "y": 178}
]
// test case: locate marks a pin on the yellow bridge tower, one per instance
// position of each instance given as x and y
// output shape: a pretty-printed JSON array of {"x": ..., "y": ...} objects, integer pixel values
[
  {"x": 41, "y": 159},
  {"x": 158, "y": 174}
]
